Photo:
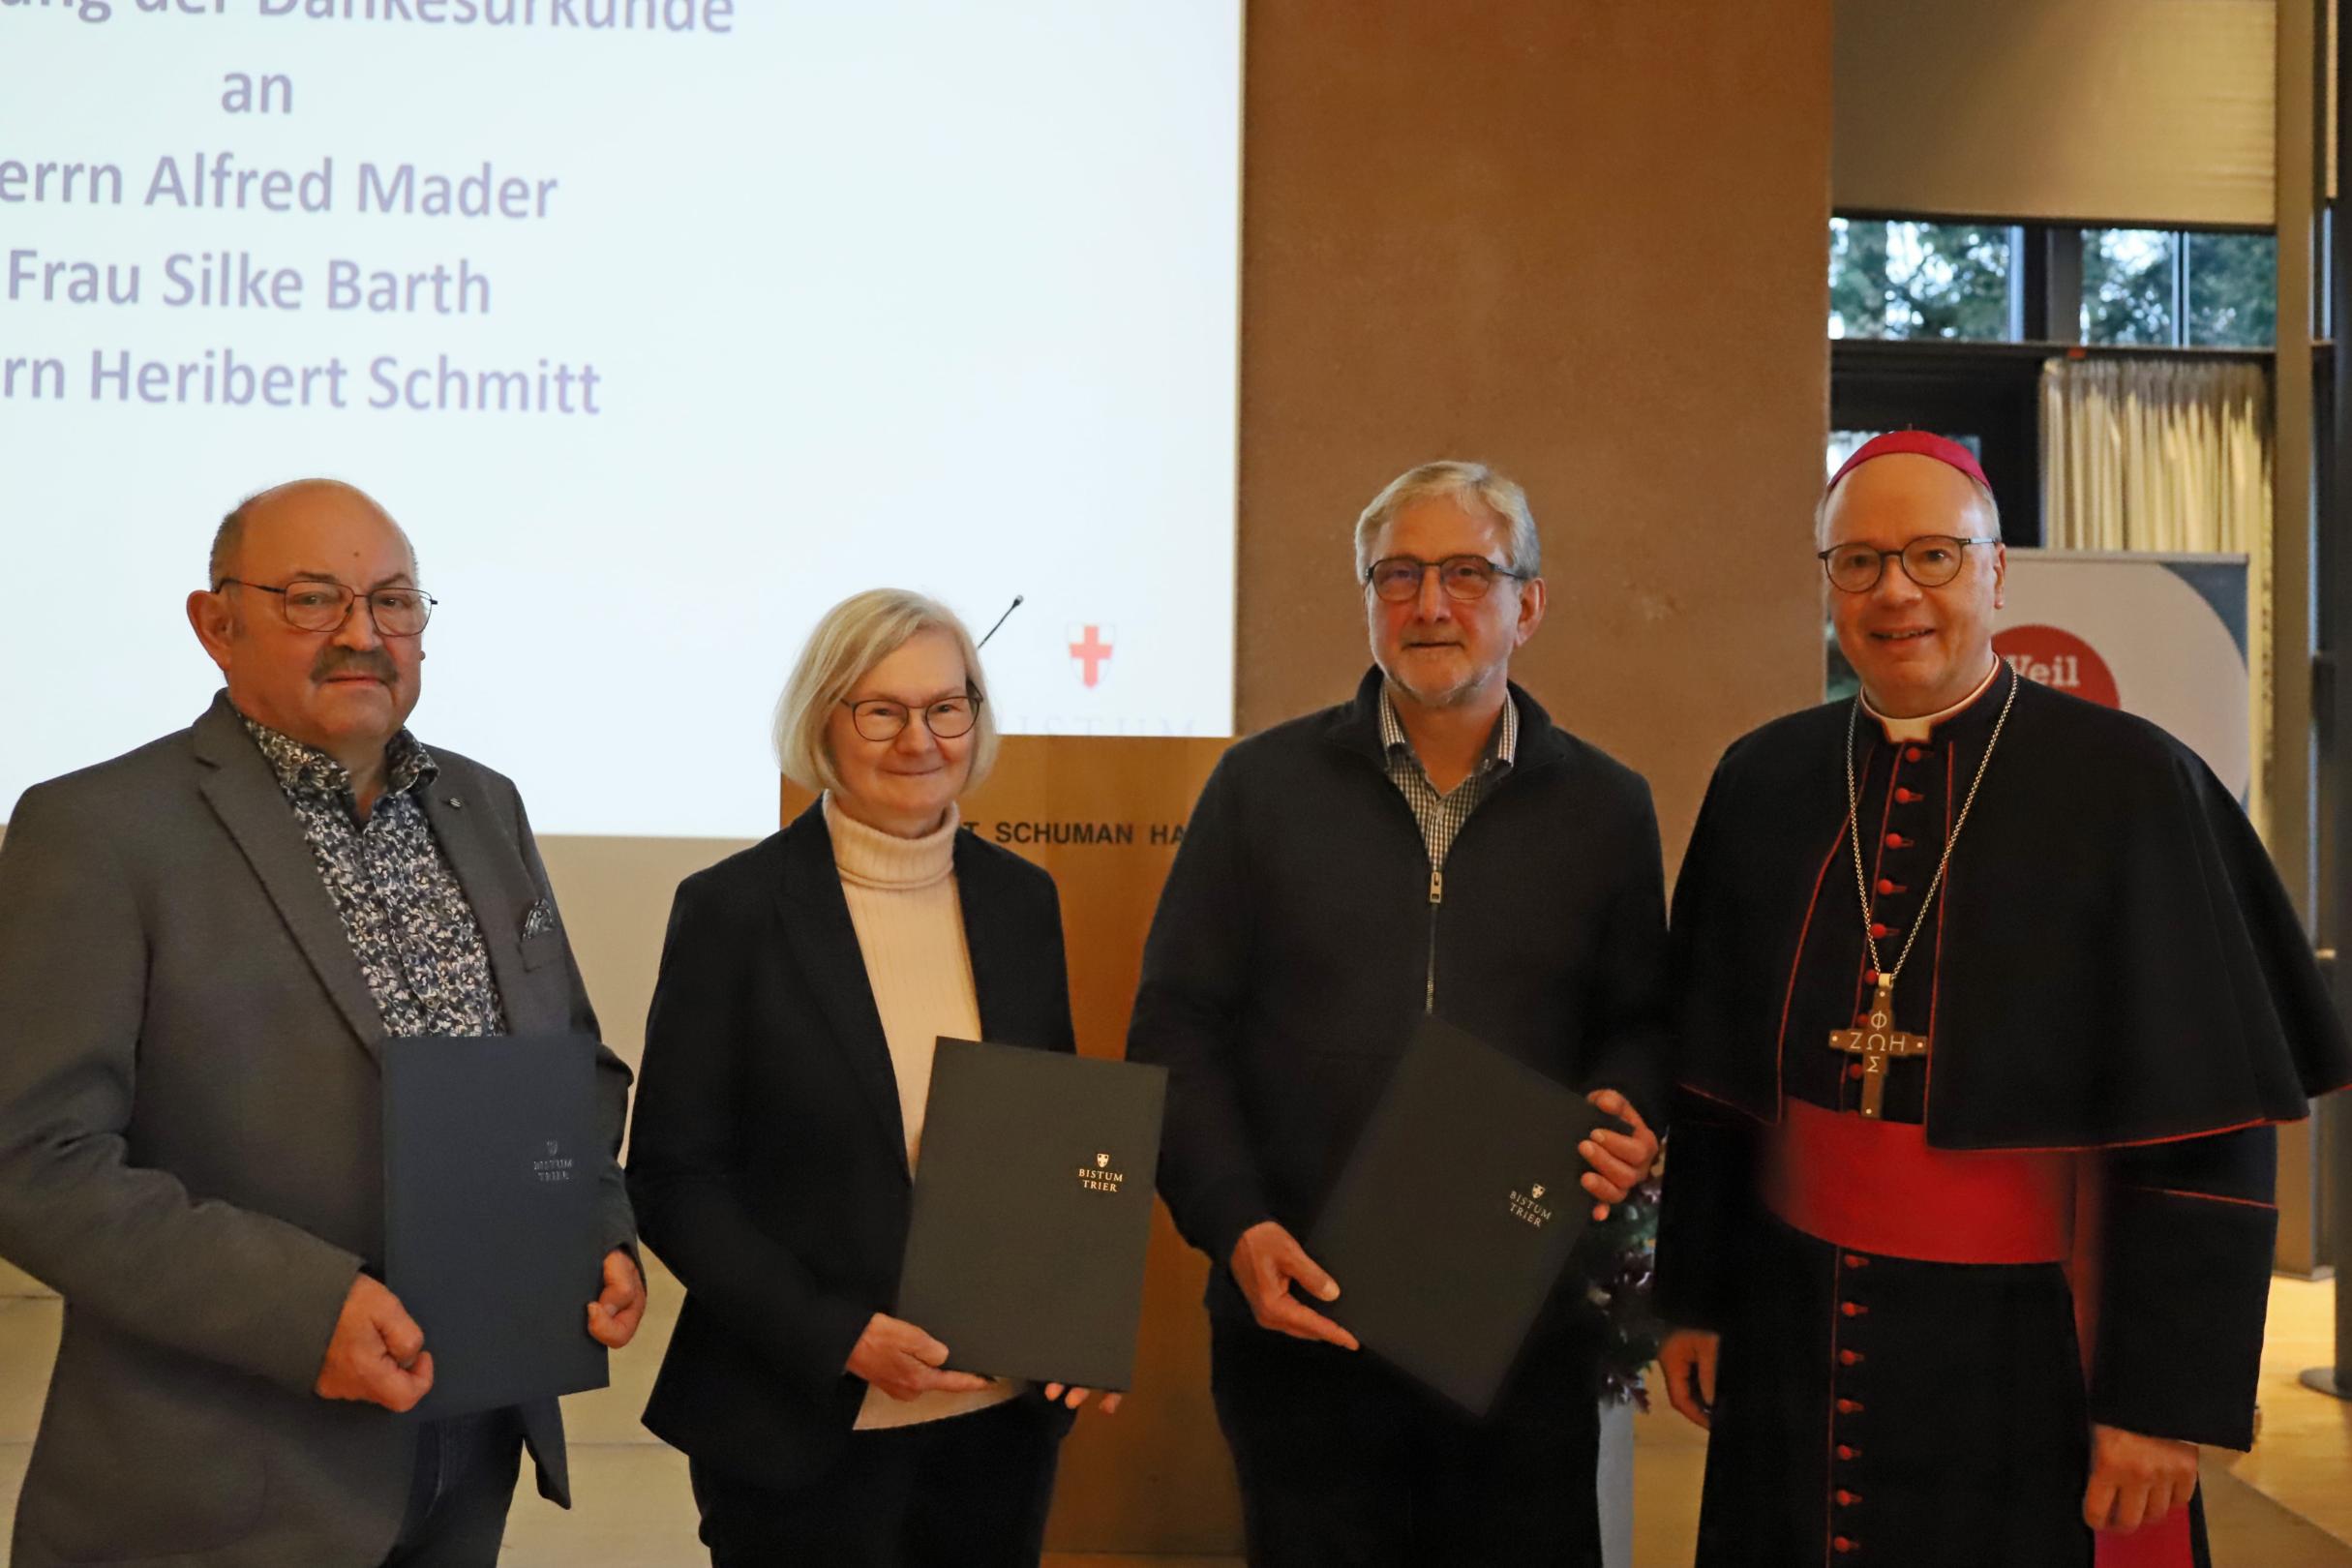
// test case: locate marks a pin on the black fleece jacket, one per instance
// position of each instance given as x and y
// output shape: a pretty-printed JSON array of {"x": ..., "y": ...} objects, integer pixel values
[{"x": 1300, "y": 927}]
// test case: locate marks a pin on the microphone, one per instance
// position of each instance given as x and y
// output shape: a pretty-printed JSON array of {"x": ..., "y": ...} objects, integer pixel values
[{"x": 1017, "y": 599}]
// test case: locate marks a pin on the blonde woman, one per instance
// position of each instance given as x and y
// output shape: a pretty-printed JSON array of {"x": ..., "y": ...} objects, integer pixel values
[{"x": 780, "y": 1113}]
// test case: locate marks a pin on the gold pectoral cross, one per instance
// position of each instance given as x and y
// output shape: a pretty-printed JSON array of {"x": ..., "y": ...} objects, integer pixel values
[{"x": 1875, "y": 1043}]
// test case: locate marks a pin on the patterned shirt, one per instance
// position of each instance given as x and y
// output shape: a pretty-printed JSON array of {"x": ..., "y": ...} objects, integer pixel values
[
  {"x": 1442, "y": 816},
  {"x": 404, "y": 912}
]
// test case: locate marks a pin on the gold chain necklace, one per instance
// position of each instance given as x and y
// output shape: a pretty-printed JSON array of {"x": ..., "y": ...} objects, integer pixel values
[{"x": 1881, "y": 1040}]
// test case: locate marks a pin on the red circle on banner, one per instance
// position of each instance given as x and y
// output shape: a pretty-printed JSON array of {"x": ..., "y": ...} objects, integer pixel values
[{"x": 2059, "y": 660}]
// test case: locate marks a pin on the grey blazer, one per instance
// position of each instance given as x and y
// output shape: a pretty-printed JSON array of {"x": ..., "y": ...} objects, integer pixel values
[{"x": 189, "y": 1150}]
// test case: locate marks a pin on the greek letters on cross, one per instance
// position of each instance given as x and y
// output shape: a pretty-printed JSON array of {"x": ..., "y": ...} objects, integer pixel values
[{"x": 1875, "y": 1043}]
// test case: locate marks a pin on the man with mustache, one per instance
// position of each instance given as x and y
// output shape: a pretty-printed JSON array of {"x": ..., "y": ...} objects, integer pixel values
[
  {"x": 1950, "y": 957},
  {"x": 1436, "y": 845},
  {"x": 203, "y": 945}
]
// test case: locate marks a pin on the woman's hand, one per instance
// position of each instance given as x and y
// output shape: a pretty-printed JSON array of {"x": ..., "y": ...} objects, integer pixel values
[{"x": 903, "y": 1360}]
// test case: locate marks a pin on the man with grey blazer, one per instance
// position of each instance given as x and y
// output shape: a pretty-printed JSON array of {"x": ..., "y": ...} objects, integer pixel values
[{"x": 203, "y": 945}]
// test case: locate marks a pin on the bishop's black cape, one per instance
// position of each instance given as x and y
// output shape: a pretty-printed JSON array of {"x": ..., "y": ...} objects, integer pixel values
[{"x": 2111, "y": 967}]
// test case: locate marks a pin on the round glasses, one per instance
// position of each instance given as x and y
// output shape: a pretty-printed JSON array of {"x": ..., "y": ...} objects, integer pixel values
[
  {"x": 879, "y": 718},
  {"x": 1397, "y": 579},
  {"x": 1931, "y": 560},
  {"x": 323, "y": 607}
]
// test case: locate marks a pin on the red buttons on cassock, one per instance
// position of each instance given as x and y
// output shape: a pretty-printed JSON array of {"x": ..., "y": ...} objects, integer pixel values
[
  {"x": 1850, "y": 1407},
  {"x": 1853, "y": 1070},
  {"x": 1907, "y": 797},
  {"x": 1850, "y": 1358},
  {"x": 1853, "y": 1308},
  {"x": 1881, "y": 931},
  {"x": 1913, "y": 754},
  {"x": 1886, "y": 887},
  {"x": 1845, "y": 1544},
  {"x": 1897, "y": 841},
  {"x": 1845, "y": 1452},
  {"x": 1847, "y": 1499},
  {"x": 1855, "y": 1260}
]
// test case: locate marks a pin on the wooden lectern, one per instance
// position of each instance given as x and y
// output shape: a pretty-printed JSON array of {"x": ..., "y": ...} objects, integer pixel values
[{"x": 1104, "y": 814}]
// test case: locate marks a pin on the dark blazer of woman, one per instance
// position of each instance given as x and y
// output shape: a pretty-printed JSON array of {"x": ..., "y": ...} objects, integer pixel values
[{"x": 767, "y": 1163}]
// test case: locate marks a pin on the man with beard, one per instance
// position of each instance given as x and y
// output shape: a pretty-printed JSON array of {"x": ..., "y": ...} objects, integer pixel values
[
  {"x": 1437, "y": 845},
  {"x": 1950, "y": 956},
  {"x": 204, "y": 946}
]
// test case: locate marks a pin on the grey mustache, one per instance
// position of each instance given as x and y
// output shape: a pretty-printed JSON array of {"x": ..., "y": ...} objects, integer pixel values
[{"x": 345, "y": 661}]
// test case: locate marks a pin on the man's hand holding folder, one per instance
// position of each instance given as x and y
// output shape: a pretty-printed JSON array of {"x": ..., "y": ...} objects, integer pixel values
[
  {"x": 613, "y": 1315},
  {"x": 1109, "y": 1404},
  {"x": 1619, "y": 1160},
  {"x": 376, "y": 1354},
  {"x": 1268, "y": 1261}
]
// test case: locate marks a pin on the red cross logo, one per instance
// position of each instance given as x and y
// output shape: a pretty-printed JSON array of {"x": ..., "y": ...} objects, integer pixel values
[{"x": 1091, "y": 650}]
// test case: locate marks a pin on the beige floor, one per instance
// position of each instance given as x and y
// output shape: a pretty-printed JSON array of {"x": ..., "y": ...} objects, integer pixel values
[
  {"x": 2303, "y": 1455},
  {"x": 2288, "y": 1504}
]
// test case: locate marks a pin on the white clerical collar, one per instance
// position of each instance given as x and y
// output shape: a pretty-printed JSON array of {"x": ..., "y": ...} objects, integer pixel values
[{"x": 1919, "y": 728}]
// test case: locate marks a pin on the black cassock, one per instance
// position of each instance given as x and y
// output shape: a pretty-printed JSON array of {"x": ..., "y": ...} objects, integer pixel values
[{"x": 2116, "y": 994}]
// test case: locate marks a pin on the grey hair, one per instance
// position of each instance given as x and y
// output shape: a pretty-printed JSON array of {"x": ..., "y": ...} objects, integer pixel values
[
  {"x": 849, "y": 641},
  {"x": 1464, "y": 483},
  {"x": 226, "y": 539}
]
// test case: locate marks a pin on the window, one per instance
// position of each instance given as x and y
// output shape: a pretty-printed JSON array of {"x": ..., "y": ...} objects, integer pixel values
[
  {"x": 2233, "y": 290},
  {"x": 2179, "y": 290},
  {"x": 1917, "y": 279},
  {"x": 1902, "y": 280},
  {"x": 2130, "y": 293}
]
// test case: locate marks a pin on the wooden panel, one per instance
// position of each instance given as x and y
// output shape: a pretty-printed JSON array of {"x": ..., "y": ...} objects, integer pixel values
[
  {"x": 1104, "y": 814},
  {"x": 1585, "y": 240}
]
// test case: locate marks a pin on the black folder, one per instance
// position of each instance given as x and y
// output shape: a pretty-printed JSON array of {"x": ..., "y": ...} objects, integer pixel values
[
  {"x": 492, "y": 1167},
  {"x": 1456, "y": 1212},
  {"x": 1032, "y": 1206}
]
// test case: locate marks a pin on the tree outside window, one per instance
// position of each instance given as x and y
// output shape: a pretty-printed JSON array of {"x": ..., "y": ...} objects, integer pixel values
[
  {"x": 1917, "y": 280},
  {"x": 2128, "y": 292},
  {"x": 2168, "y": 289},
  {"x": 2233, "y": 290}
]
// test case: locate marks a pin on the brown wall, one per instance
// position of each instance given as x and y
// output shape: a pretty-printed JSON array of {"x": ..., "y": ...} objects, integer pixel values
[{"x": 1582, "y": 239}]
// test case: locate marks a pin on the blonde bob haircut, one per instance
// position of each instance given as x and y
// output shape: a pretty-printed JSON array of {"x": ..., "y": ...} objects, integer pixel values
[{"x": 854, "y": 636}]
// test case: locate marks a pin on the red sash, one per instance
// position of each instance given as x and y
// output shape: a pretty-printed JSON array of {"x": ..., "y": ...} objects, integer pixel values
[{"x": 1877, "y": 1187}]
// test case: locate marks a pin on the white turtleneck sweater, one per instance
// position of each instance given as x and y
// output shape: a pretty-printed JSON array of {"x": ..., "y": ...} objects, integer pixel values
[{"x": 902, "y": 901}]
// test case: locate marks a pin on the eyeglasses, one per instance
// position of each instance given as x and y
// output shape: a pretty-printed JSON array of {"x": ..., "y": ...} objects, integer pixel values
[
  {"x": 323, "y": 607},
  {"x": 879, "y": 718},
  {"x": 1931, "y": 560},
  {"x": 1397, "y": 579}
]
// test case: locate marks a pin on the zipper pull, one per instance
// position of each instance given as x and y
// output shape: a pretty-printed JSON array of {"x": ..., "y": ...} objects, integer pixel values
[{"x": 1437, "y": 885}]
